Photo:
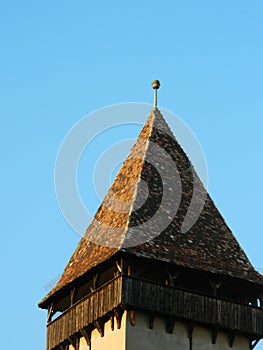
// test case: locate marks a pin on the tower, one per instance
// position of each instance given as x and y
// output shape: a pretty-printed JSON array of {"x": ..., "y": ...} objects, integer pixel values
[{"x": 142, "y": 278}]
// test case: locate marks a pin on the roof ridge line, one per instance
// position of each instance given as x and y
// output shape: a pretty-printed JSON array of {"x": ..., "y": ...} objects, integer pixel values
[{"x": 139, "y": 178}]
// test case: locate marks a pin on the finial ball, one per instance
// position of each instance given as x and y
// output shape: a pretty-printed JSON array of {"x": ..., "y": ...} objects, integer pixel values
[{"x": 156, "y": 84}]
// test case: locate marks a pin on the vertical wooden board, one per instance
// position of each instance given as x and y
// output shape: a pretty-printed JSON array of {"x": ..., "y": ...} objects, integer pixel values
[{"x": 88, "y": 311}]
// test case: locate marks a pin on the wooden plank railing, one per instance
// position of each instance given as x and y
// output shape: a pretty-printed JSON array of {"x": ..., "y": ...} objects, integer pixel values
[
  {"x": 84, "y": 312},
  {"x": 127, "y": 291},
  {"x": 197, "y": 307}
]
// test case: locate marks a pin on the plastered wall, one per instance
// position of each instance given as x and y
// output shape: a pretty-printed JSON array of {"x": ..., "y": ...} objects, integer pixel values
[{"x": 140, "y": 337}]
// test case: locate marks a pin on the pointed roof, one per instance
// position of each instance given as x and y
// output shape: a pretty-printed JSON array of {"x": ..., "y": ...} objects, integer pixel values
[{"x": 157, "y": 208}]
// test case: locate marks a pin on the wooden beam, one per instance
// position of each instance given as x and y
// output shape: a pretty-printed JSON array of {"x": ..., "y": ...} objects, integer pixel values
[
  {"x": 190, "y": 335},
  {"x": 95, "y": 280},
  {"x": 72, "y": 296},
  {"x": 50, "y": 312},
  {"x": 112, "y": 323},
  {"x": 172, "y": 277},
  {"x": 86, "y": 333},
  {"x": 118, "y": 312},
  {"x": 99, "y": 324},
  {"x": 74, "y": 342},
  {"x": 64, "y": 345},
  {"x": 214, "y": 335},
  {"x": 132, "y": 317},
  {"x": 215, "y": 285},
  {"x": 231, "y": 338},
  {"x": 169, "y": 324},
  {"x": 118, "y": 267},
  {"x": 151, "y": 320}
]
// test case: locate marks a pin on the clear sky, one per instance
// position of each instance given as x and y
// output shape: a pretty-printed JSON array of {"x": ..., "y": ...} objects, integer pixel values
[{"x": 61, "y": 60}]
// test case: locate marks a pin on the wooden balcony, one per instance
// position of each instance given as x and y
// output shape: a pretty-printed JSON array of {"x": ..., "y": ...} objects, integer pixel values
[{"x": 133, "y": 293}]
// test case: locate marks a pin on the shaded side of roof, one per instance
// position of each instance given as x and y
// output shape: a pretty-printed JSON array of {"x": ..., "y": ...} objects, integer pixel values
[{"x": 209, "y": 244}]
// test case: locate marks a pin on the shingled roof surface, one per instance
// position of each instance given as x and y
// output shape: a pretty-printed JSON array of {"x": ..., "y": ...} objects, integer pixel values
[{"x": 151, "y": 211}]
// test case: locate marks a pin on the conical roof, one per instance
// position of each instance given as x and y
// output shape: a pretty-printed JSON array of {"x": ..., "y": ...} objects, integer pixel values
[{"x": 157, "y": 208}]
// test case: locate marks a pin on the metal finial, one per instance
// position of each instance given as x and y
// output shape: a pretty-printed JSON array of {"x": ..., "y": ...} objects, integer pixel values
[{"x": 155, "y": 85}]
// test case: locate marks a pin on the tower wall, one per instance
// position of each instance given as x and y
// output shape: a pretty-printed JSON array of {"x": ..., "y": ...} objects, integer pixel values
[
  {"x": 112, "y": 339},
  {"x": 202, "y": 340},
  {"x": 140, "y": 336}
]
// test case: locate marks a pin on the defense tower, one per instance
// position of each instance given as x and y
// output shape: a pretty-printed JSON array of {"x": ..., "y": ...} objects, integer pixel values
[{"x": 136, "y": 289}]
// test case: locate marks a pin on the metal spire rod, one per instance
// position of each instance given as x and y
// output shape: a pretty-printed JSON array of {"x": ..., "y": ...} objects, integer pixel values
[{"x": 155, "y": 85}]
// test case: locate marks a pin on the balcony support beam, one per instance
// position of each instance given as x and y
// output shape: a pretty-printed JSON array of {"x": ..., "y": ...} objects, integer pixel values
[
  {"x": 74, "y": 342},
  {"x": 214, "y": 335},
  {"x": 99, "y": 324},
  {"x": 86, "y": 333},
  {"x": 231, "y": 338},
  {"x": 118, "y": 312},
  {"x": 170, "y": 322},
  {"x": 151, "y": 320},
  {"x": 132, "y": 317},
  {"x": 190, "y": 335}
]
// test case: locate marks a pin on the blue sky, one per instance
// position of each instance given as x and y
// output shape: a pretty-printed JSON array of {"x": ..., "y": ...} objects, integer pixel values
[{"x": 61, "y": 60}]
